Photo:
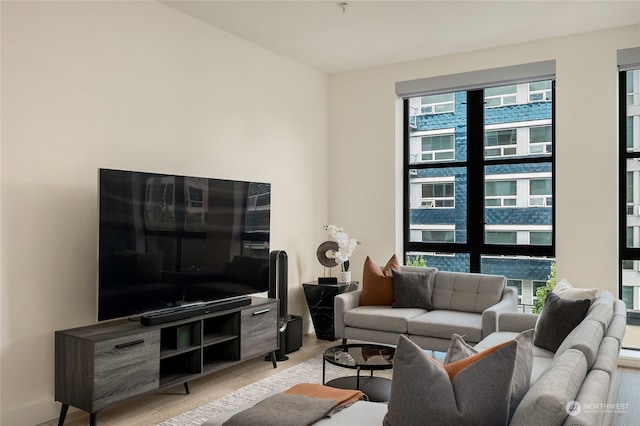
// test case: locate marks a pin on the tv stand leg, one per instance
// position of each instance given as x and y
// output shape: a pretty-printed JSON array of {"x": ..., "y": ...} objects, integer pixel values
[
  {"x": 273, "y": 359},
  {"x": 63, "y": 414},
  {"x": 186, "y": 388},
  {"x": 93, "y": 419}
]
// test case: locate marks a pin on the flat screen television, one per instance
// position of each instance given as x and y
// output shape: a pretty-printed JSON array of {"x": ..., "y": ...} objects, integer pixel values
[{"x": 168, "y": 240}]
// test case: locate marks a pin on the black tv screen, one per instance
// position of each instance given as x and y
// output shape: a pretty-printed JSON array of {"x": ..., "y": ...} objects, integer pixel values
[{"x": 166, "y": 240}]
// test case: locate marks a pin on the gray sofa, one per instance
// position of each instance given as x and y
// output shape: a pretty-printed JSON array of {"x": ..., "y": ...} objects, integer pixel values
[
  {"x": 467, "y": 304},
  {"x": 581, "y": 370}
]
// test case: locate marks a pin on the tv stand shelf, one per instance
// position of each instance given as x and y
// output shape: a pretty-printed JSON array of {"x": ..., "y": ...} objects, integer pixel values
[{"x": 100, "y": 365}]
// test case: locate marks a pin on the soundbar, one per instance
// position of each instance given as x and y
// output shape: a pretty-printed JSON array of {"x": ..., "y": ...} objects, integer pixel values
[{"x": 191, "y": 310}]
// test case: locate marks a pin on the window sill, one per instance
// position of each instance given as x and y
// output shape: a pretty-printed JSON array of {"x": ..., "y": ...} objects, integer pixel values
[{"x": 629, "y": 358}]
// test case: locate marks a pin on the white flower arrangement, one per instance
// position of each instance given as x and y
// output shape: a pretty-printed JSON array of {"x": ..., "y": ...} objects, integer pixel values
[{"x": 346, "y": 246}]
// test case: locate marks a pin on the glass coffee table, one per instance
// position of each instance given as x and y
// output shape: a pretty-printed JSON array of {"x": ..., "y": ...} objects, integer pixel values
[{"x": 361, "y": 356}]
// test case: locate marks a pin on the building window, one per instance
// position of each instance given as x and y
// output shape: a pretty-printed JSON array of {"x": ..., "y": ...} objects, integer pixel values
[
  {"x": 494, "y": 192},
  {"x": 517, "y": 284},
  {"x": 540, "y": 238},
  {"x": 540, "y": 193},
  {"x": 438, "y": 147},
  {"x": 501, "y": 193},
  {"x": 540, "y": 91},
  {"x": 501, "y": 143},
  {"x": 500, "y": 96},
  {"x": 438, "y": 195},
  {"x": 501, "y": 237},
  {"x": 627, "y": 296},
  {"x": 438, "y": 236},
  {"x": 437, "y": 104},
  {"x": 540, "y": 140},
  {"x": 536, "y": 286}
]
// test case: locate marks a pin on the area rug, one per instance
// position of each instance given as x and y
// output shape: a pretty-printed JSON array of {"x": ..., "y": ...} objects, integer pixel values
[{"x": 306, "y": 372}]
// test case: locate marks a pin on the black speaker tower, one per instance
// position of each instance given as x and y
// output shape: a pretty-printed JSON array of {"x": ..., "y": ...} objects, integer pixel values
[{"x": 278, "y": 289}]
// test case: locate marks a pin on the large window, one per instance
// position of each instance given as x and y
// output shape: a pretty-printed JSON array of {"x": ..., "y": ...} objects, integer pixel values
[
  {"x": 629, "y": 189},
  {"x": 479, "y": 182}
]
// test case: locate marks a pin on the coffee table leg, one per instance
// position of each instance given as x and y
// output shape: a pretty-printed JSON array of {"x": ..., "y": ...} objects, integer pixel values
[{"x": 324, "y": 368}]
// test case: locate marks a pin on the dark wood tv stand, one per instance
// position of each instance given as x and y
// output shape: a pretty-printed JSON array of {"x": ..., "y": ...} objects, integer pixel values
[{"x": 100, "y": 365}]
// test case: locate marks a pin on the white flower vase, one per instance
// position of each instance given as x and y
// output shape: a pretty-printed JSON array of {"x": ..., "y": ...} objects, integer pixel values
[{"x": 344, "y": 276}]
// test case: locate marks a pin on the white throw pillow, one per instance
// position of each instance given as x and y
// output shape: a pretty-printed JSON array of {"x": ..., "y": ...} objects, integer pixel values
[{"x": 565, "y": 290}]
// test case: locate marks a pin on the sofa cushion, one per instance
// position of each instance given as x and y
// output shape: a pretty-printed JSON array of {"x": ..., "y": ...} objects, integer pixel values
[
  {"x": 413, "y": 289},
  {"x": 382, "y": 318},
  {"x": 592, "y": 400},
  {"x": 619, "y": 307},
  {"x": 466, "y": 292},
  {"x": 559, "y": 316},
  {"x": 443, "y": 323},
  {"x": 607, "y": 357},
  {"x": 495, "y": 338},
  {"x": 617, "y": 327},
  {"x": 459, "y": 349},
  {"x": 542, "y": 358},
  {"x": 601, "y": 309},
  {"x": 377, "y": 283},
  {"x": 586, "y": 337},
  {"x": 422, "y": 391},
  {"x": 565, "y": 290},
  {"x": 546, "y": 401}
]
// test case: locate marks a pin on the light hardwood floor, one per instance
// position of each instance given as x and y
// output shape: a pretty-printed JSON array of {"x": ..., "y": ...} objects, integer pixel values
[{"x": 623, "y": 410}]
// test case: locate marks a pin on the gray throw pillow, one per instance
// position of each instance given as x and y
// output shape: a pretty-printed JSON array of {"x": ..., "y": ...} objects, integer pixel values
[
  {"x": 413, "y": 289},
  {"x": 558, "y": 318},
  {"x": 422, "y": 392},
  {"x": 459, "y": 349}
]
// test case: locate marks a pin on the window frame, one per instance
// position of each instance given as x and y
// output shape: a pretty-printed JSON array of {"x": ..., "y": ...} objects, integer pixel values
[
  {"x": 626, "y": 252},
  {"x": 475, "y": 165}
]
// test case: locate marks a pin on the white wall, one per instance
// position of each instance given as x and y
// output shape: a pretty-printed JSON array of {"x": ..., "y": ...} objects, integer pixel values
[
  {"x": 133, "y": 85},
  {"x": 365, "y": 139}
]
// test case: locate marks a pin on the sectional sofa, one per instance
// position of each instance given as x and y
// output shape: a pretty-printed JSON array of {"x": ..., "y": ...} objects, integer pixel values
[{"x": 567, "y": 386}]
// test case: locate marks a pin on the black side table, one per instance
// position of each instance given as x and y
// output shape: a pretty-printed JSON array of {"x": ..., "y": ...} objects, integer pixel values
[{"x": 320, "y": 301}]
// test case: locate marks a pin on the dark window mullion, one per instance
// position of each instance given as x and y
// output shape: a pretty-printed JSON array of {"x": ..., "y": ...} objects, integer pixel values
[
  {"x": 475, "y": 177},
  {"x": 406, "y": 210}
]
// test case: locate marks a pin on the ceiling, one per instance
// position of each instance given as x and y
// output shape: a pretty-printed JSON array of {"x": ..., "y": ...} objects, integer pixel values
[{"x": 374, "y": 33}]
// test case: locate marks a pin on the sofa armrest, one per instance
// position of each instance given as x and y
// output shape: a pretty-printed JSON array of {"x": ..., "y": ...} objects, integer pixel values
[
  {"x": 341, "y": 304},
  {"x": 508, "y": 303},
  {"x": 517, "y": 321}
]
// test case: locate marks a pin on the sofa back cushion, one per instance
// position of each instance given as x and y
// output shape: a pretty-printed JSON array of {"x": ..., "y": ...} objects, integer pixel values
[
  {"x": 547, "y": 399},
  {"x": 586, "y": 338},
  {"x": 601, "y": 309},
  {"x": 457, "y": 291}
]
